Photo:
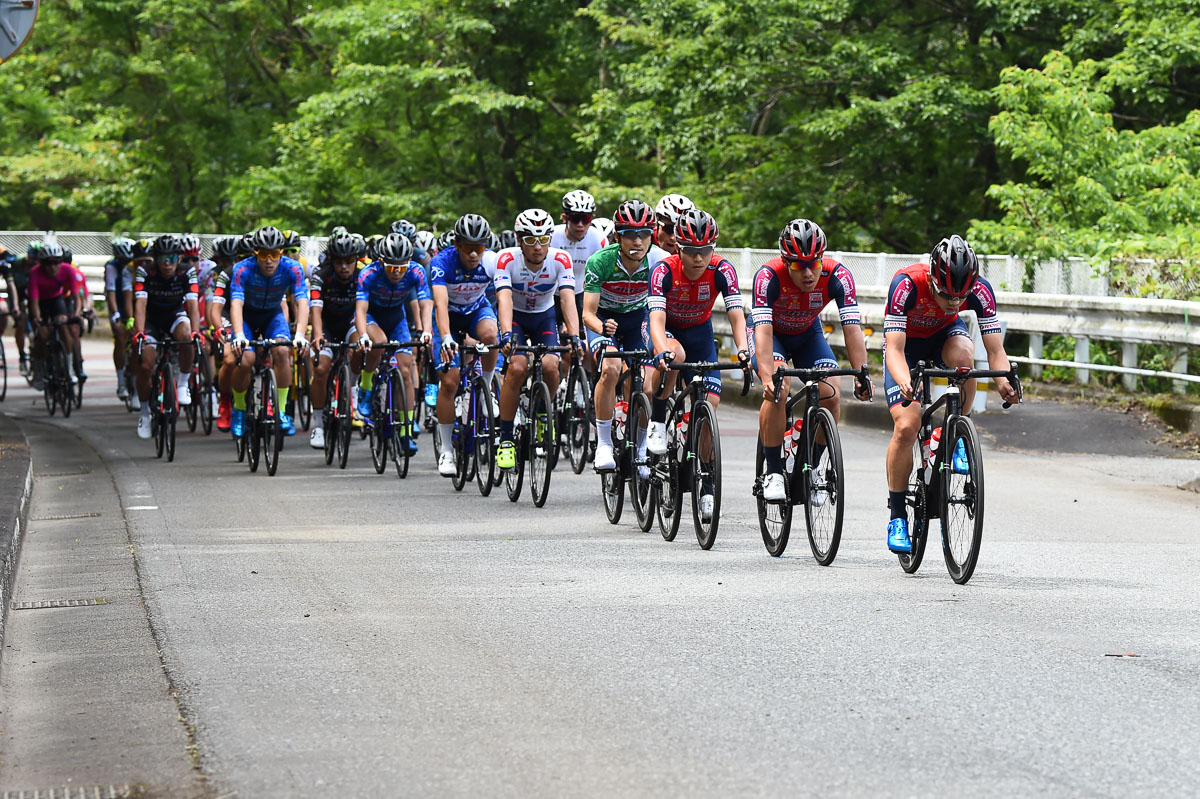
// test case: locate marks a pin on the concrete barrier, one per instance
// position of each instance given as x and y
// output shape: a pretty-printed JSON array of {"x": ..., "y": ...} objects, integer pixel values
[{"x": 16, "y": 485}]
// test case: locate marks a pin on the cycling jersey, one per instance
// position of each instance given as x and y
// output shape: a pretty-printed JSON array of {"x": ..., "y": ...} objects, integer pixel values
[
  {"x": 261, "y": 293},
  {"x": 533, "y": 291},
  {"x": 118, "y": 278},
  {"x": 620, "y": 291},
  {"x": 578, "y": 251},
  {"x": 206, "y": 272},
  {"x": 44, "y": 286},
  {"x": 164, "y": 294},
  {"x": 467, "y": 291},
  {"x": 688, "y": 303},
  {"x": 336, "y": 298},
  {"x": 911, "y": 308},
  {"x": 779, "y": 302},
  {"x": 375, "y": 288}
]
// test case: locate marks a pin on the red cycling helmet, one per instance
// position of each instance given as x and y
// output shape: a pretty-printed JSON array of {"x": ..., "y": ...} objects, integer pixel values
[
  {"x": 953, "y": 267},
  {"x": 696, "y": 228},
  {"x": 633, "y": 214},
  {"x": 802, "y": 240}
]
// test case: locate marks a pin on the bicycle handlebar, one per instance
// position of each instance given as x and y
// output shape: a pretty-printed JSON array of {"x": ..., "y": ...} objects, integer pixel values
[
  {"x": 961, "y": 374},
  {"x": 717, "y": 366},
  {"x": 542, "y": 349},
  {"x": 861, "y": 375}
]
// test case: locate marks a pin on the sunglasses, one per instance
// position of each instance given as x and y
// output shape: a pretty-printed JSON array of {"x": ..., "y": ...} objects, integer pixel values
[
  {"x": 345, "y": 261},
  {"x": 191, "y": 259},
  {"x": 533, "y": 240},
  {"x": 268, "y": 253},
  {"x": 949, "y": 297},
  {"x": 637, "y": 233},
  {"x": 170, "y": 259},
  {"x": 796, "y": 264},
  {"x": 707, "y": 250},
  {"x": 666, "y": 226},
  {"x": 467, "y": 247},
  {"x": 580, "y": 219},
  {"x": 395, "y": 266}
]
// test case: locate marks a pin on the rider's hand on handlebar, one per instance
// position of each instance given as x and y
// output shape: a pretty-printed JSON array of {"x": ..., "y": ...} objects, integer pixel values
[
  {"x": 661, "y": 360},
  {"x": 364, "y": 343},
  {"x": 610, "y": 327},
  {"x": 1007, "y": 390},
  {"x": 766, "y": 375}
]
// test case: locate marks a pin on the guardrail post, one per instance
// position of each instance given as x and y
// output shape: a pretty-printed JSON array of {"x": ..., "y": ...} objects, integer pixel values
[
  {"x": 882, "y": 278},
  {"x": 747, "y": 275},
  {"x": 1083, "y": 354},
  {"x": 1129, "y": 359},
  {"x": 1181, "y": 366},
  {"x": 1036, "y": 342}
]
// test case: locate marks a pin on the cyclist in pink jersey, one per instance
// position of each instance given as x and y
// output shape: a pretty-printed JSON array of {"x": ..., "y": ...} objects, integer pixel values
[{"x": 53, "y": 297}]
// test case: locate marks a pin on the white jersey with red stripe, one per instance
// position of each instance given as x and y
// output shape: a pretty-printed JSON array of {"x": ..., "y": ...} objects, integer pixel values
[{"x": 533, "y": 289}]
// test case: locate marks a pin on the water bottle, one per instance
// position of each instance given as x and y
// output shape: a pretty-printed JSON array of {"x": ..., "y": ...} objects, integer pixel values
[
  {"x": 619, "y": 415},
  {"x": 927, "y": 451},
  {"x": 791, "y": 438},
  {"x": 460, "y": 406}
]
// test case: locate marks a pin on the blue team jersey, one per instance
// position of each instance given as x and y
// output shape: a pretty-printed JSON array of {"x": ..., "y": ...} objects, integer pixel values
[
  {"x": 261, "y": 293},
  {"x": 382, "y": 294},
  {"x": 467, "y": 292}
]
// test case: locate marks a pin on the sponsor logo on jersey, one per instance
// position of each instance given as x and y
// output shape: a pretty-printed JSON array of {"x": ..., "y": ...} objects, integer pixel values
[
  {"x": 816, "y": 301},
  {"x": 901, "y": 296},
  {"x": 703, "y": 291}
]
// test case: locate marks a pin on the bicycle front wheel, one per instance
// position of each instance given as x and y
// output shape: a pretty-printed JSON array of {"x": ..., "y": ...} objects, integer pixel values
[
  {"x": 774, "y": 517},
  {"x": 378, "y": 427},
  {"x": 485, "y": 426},
  {"x": 66, "y": 395},
  {"x": 253, "y": 431},
  {"x": 962, "y": 498},
  {"x": 170, "y": 407},
  {"x": 543, "y": 443},
  {"x": 463, "y": 452},
  {"x": 824, "y": 506},
  {"x": 514, "y": 478},
  {"x": 918, "y": 518},
  {"x": 579, "y": 417},
  {"x": 401, "y": 423},
  {"x": 3, "y": 373},
  {"x": 640, "y": 485},
  {"x": 705, "y": 439},
  {"x": 303, "y": 397},
  {"x": 272, "y": 430},
  {"x": 343, "y": 413}
]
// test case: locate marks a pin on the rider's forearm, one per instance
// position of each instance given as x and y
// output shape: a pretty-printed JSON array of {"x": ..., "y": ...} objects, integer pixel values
[
  {"x": 997, "y": 358},
  {"x": 737, "y": 318},
  {"x": 658, "y": 331},
  {"x": 856, "y": 345}
]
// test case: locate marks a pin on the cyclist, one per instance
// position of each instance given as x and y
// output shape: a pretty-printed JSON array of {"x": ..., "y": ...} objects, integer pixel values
[
  {"x": 683, "y": 289},
  {"x": 118, "y": 281},
  {"x": 528, "y": 278},
  {"x": 164, "y": 305},
  {"x": 616, "y": 285},
  {"x": 667, "y": 214},
  {"x": 225, "y": 255},
  {"x": 20, "y": 280},
  {"x": 379, "y": 316},
  {"x": 257, "y": 293},
  {"x": 460, "y": 277},
  {"x": 577, "y": 238},
  {"x": 83, "y": 301},
  {"x": 921, "y": 323},
  {"x": 332, "y": 299},
  {"x": 508, "y": 238},
  {"x": 53, "y": 296},
  {"x": 605, "y": 226},
  {"x": 9, "y": 301},
  {"x": 427, "y": 243},
  {"x": 409, "y": 231},
  {"x": 789, "y": 294}
]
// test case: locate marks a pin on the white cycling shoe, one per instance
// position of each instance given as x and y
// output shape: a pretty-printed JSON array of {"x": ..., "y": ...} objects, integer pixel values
[
  {"x": 817, "y": 497},
  {"x": 656, "y": 438},
  {"x": 706, "y": 507},
  {"x": 316, "y": 439},
  {"x": 605, "y": 460},
  {"x": 184, "y": 392},
  {"x": 446, "y": 464},
  {"x": 773, "y": 488},
  {"x": 144, "y": 426}
]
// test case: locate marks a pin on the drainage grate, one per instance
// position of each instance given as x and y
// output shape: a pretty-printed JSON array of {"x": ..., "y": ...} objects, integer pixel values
[
  {"x": 63, "y": 516},
  {"x": 74, "y": 473},
  {"x": 73, "y": 792},
  {"x": 58, "y": 603}
]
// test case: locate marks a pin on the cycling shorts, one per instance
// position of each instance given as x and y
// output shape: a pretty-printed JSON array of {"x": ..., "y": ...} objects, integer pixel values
[
  {"x": 161, "y": 324},
  {"x": 271, "y": 324},
  {"x": 535, "y": 328},
  {"x": 807, "y": 350},
  {"x": 466, "y": 324},
  {"x": 394, "y": 325},
  {"x": 51, "y": 307},
  {"x": 698, "y": 345},
  {"x": 633, "y": 331},
  {"x": 330, "y": 335},
  {"x": 921, "y": 349}
]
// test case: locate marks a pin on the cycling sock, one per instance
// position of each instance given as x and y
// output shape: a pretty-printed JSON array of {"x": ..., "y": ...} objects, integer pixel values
[
  {"x": 658, "y": 410},
  {"x": 604, "y": 432},
  {"x": 239, "y": 400},
  {"x": 367, "y": 380},
  {"x": 144, "y": 407},
  {"x": 897, "y": 504},
  {"x": 488, "y": 376},
  {"x": 446, "y": 431},
  {"x": 641, "y": 439},
  {"x": 318, "y": 417},
  {"x": 506, "y": 429},
  {"x": 281, "y": 397},
  {"x": 773, "y": 458},
  {"x": 120, "y": 377}
]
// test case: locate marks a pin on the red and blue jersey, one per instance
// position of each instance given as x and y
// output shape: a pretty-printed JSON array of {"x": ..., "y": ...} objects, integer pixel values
[
  {"x": 264, "y": 294},
  {"x": 382, "y": 295},
  {"x": 911, "y": 308},
  {"x": 779, "y": 302},
  {"x": 688, "y": 303}
]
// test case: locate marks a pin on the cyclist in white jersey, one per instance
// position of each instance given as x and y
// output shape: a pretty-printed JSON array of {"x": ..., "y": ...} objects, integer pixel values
[{"x": 667, "y": 213}]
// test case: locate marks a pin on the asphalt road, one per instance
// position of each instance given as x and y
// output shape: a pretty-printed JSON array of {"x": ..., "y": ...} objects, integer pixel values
[{"x": 347, "y": 634}]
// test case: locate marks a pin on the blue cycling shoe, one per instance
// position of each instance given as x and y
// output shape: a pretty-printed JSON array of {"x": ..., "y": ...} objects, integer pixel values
[
  {"x": 237, "y": 423},
  {"x": 958, "y": 462},
  {"x": 898, "y": 540},
  {"x": 289, "y": 427},
  {"x": 364, "y": 403},
  {"x": 413, "y": 449}
]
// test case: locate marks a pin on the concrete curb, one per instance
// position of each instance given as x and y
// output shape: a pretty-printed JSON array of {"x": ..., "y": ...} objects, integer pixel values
[{"x": 16, "y": 486}]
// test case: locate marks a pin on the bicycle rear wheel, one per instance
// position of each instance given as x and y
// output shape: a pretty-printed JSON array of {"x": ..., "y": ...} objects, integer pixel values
[
  {"x": 612, "y": 488},
  {"x": 706, "y": 471},
  {"x": 962, "y": 500},
  {"x": 823, "y": 506},
  {"x": 774, "y": 518},
  {"x": 579, "y": 416},
  {"x": 272, "y": 429},
  {"x": 641, "y": 494},
  {"x": 918, "y": 515},
  {"x": 485, "y": 455},
  {"x": 543, "y": 443}
]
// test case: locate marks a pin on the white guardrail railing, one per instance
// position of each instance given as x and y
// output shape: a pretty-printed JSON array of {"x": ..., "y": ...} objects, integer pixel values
[{"x": 1070, "y": 300}]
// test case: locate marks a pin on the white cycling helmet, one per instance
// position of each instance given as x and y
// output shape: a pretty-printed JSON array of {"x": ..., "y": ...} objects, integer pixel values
[
  {"x": 578, "y": 202},
  {"x": 426, "y": 241},
  {"x": 605, "y": 226},
  {"x": 671, "y": 206},
  {"x": 534, "y": 222}
]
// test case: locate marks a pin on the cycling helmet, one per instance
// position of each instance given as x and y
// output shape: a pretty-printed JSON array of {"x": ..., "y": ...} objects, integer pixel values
[
  {"x": 605, "y": 226},
  {"x": 68, "y": 256},
  {"x": 245, "y": 248},
  {"x": 343, "y": 246},
  {"x": 445, "y": 240},
  {"x": 337, "y": 229},
  {"x": 633, "y": 214},
  {"x": 696, "y": 228},
  {"x": 405, "y": 228},
  {"x": 578, "y": 202},
  {"x": 508, "y": 238},
  {"x": 292, "y": 240},
  {"x": 50, "y": 251},
  {"x": 953, "y": 267},
  {"x": 168, "y": 244},
  {"x": 31, "y": 250},
  {"x": 268, "y": 237},
  {"x": 472, "y": 228},
  {"x": 372, "y": 245},
  {"x": 396, "y": 248},
  {"x": 494, "y": 242},
  {"x": 142, "y": 248},
  {"x": 532, "y": 222},
  {"x": 226, "y": 247},
  {"x": 671, "y": 206},
  {"x": 362, "y": 243},
  {"x": 802, "y": 240},
  {"x": 426, "y": 241},
  {"x": 122, "y": 249}
]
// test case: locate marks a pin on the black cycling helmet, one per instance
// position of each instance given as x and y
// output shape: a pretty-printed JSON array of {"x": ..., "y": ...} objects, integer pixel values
[
  {"x": 245, "y": 247},
  {"x": 508, "y": 238},
  {"x": 68, "y": 256},
  {"x": 802, "y": 240},
  {"x": 633, "y": 214},
  {"x": 445, "y": 240},
  {"x": 396, "y": 248},
  {"x": 953, "y": 267},
  {"x": 337, "y": 229},
  {"x": 168, "y": 244},
  {"x": 143, "y": 248},
  {"x": 472, "y": 228},
  {"x": 696, "y": 228},
  {"x": 343, "y": 246},
  {"x": 226, "y": 247},
  {"x": 405, "y": 228},
  {"x": 122, "y": 249},
  {"x": 267, "y": 237},
  {"x": 50, "y": 251}
]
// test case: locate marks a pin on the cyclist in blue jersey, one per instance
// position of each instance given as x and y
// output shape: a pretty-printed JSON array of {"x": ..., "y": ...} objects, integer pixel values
[
  {"x": 383, "y": 289},
  {"x": 460, "y": 276},
  {"x": 409, "y": 231},
  {"x": 257, "y": 290}
]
